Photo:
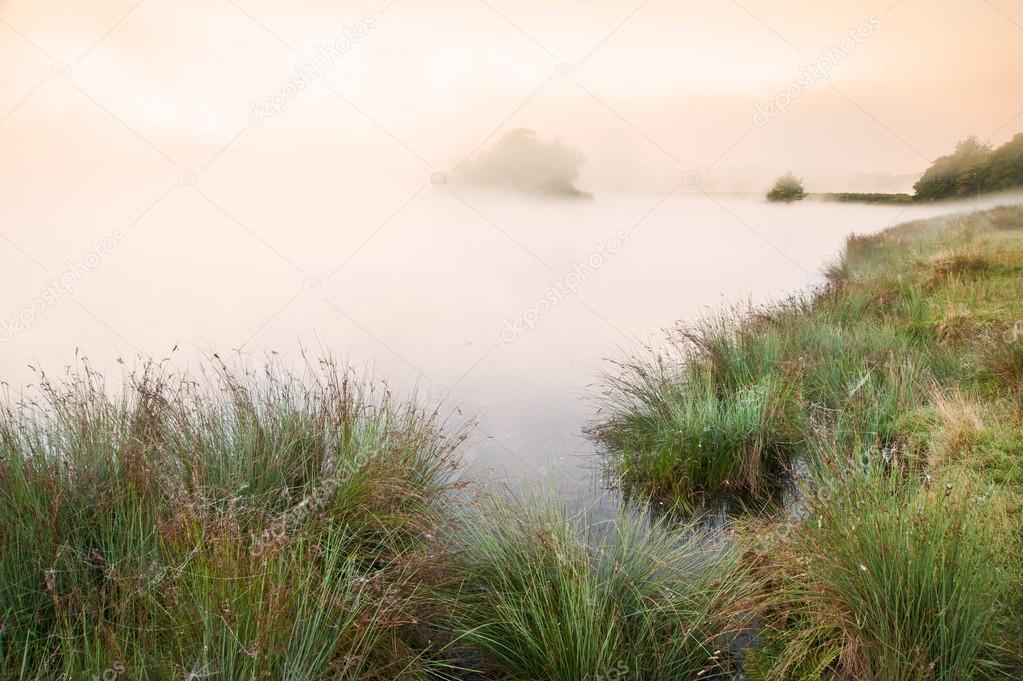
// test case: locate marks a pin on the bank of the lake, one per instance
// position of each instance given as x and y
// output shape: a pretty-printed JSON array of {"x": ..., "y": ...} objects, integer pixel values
[
  {"x": 272, "y": 525},
  {"x": 895, "y": 391}
]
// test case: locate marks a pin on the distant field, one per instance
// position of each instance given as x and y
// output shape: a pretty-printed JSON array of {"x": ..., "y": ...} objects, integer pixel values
[{"x": 854, "y": 197}]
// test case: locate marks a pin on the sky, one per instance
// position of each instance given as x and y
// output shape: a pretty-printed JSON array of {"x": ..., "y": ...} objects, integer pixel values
[{"x": 733, "y": 91}]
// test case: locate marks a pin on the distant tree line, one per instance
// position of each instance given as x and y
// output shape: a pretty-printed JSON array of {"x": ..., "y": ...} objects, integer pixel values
[{"x": 973, "y": 168}]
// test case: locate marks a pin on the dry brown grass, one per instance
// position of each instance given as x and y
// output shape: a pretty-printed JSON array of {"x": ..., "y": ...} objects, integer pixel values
[
  {"x": 960, "y": 427},
  {"x": 947, "y": 265},
  {"x": 957, "y": 324},
  {"x": 1003, "y": 358},
  {"x": 1006, "y": 217}
]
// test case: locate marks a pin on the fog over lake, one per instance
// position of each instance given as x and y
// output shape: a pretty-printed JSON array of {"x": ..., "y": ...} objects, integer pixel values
[{"x": 502, "y": 306}]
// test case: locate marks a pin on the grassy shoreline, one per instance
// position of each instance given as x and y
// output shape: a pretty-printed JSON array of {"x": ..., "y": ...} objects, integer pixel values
[
  {"x": 896, "y": 388},
  {"x": 904, "y": 315},
  {"x": 269, "y": 525}
]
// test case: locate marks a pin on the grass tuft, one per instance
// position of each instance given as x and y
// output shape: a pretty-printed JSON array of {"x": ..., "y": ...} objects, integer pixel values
[
  {"x": 248, "y": 525},
  {"x": 960, "y": 427},
  {"x": 548, "y": 594},
  {"x": 707, "y": 416},
  {"x": 890, "y": 580}
]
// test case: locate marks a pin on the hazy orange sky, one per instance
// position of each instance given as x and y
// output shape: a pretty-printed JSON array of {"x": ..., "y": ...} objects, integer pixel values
[{"x": 642, "y": 88}]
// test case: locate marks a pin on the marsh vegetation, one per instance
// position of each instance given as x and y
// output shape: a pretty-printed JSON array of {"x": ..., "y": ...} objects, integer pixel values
[
  {"x": 892, "y": 396},
  {"x": 239, "y": 524}
]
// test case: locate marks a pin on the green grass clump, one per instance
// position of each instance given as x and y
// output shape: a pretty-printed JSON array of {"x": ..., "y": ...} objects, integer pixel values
[
  {"x": 888, "y": 579},
  {"x": 245, "y": 526},
  {"x": 726, "y": 409},
  {"x": 548, "y": 594},
  {"x": 710, "y": 418}
]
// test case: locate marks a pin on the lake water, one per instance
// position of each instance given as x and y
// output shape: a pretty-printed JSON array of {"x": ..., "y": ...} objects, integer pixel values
[{"x": 503, "y": 307}]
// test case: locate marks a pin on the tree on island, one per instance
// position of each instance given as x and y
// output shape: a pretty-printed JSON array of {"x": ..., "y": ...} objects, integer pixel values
[
  {"x": 522, "y": 161},
  {"x": 788, "y": 188}
]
